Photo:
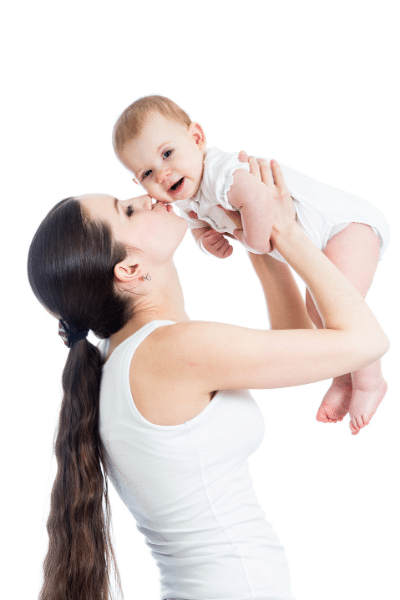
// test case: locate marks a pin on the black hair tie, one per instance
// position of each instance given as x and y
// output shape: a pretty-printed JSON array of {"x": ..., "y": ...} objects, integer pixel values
[{"x": 69, "y": 336}]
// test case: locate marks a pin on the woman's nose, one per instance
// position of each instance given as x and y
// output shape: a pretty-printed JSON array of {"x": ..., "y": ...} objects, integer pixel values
[
  {"x": 144, "y": 201},
  {"x": 147, "y": 201},
  {"x": 162, "y": 175}
]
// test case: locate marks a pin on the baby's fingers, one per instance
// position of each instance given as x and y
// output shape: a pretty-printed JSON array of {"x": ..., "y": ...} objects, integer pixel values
[
  {"x": 227, "y": 251},
  {"x": 219, "y": 242},
  {"x": 215, "y": 243},
  {"x": 223, "y": 249}
]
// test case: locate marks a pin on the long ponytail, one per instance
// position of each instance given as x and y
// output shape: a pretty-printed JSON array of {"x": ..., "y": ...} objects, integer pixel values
[{"x": 71, "y": 271}]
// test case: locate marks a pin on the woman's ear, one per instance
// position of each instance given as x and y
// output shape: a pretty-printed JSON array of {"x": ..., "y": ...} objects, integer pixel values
[
  {"x": 198, "y": 134},
  {"x": 126, "y": 273}
]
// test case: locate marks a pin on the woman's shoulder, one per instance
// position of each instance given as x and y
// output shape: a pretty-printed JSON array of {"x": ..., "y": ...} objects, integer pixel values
[
  {"x": 175, "y": 349},
  {"x": 160, "y": 381},
  {"x": 183, "y": 335}
]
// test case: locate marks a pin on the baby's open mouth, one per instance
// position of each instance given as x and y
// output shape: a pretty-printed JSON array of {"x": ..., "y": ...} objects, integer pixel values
[{"x": 177, "y": 186}]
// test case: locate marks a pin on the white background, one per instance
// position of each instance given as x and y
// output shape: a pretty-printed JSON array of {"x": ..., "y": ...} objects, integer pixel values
[{"x": 312, "y": 84}]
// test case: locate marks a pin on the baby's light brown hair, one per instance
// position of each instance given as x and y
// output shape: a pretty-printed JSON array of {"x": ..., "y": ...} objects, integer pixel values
[{"x": 131, "y": 121}]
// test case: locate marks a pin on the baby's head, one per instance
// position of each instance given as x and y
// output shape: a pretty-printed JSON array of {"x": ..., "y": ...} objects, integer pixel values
[{"x": 157, "y": 141}]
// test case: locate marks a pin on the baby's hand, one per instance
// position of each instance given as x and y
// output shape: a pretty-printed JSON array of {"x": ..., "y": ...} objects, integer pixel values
[
  {"x": 211, "y": 241},
  {"x": 214, "y": 242}
]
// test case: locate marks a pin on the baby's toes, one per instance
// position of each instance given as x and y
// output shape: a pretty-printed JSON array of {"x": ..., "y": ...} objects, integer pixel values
[
  {"x": 365, "y": 419},
  {"x": 361, "y": 421}
]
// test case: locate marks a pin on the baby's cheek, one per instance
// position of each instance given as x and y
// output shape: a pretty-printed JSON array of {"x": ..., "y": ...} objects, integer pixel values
[{"x": 150, "y": 189}]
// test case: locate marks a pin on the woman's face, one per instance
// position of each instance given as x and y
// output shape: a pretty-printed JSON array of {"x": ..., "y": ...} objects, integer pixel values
[{"x": 151, "y": 227}]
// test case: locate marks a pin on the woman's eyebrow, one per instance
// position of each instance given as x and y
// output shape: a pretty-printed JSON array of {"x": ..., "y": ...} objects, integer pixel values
[{"x": 116, "y": 205}]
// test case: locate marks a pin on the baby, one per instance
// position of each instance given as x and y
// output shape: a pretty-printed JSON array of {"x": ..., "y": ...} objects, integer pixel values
[{"x": 166, "y": 151}]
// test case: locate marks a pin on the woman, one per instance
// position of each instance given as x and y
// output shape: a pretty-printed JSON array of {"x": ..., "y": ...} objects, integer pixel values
[{"x": 173, "y": 445}]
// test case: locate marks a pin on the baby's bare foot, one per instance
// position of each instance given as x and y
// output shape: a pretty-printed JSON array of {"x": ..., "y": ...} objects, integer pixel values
[
  {"x": 335, "y": 404},
  {"x": 363, "y": 405}
]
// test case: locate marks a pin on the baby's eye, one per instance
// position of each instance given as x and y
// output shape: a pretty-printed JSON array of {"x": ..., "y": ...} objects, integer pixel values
[
  {"x": 167, "y": 153},
  {"x": 146, "y": 174},
  {"x": 129, "y": 210}
]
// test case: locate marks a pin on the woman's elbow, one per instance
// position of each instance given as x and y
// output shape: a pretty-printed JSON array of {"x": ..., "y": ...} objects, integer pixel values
[
  {"x": 379, "y": 345},
  {"x": 385, "y": 344}
]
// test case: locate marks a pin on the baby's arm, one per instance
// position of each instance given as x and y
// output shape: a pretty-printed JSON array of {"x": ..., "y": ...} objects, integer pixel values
[
  {"x": 212, "y": 242},
  {"x": 252, "y": 199}
]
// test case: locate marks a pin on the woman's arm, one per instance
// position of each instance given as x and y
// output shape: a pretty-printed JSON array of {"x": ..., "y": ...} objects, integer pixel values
[
  {"x": 203, "y": 357},
  {"x": 285, "y": 304}
]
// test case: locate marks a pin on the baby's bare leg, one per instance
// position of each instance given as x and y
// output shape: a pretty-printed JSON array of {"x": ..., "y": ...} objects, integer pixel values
[{"x": 355, "y": 251}]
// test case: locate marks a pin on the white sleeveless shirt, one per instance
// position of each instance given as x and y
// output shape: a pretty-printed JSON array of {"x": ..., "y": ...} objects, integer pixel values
[{"x": 189, "y": 488}]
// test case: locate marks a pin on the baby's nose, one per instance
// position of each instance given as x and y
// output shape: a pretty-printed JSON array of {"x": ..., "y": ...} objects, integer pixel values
[{"x": 162, "y": 175}]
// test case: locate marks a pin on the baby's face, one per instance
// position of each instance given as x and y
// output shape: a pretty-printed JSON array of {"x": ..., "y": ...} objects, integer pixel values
[{"x": 166, "y": 158}]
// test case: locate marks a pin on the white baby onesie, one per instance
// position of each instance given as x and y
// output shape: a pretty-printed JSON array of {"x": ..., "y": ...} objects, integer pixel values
[{"x": 322, "y": 210}]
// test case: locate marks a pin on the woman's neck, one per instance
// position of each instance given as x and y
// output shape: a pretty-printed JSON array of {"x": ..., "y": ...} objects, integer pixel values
[{"x": 161, "y": 301}]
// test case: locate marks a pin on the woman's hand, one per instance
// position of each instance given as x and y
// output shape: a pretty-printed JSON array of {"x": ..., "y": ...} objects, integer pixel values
[{"x": 271, "y": 175}]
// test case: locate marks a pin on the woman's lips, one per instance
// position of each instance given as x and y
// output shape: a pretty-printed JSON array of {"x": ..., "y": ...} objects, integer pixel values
[{"x": 167, "y": 207}]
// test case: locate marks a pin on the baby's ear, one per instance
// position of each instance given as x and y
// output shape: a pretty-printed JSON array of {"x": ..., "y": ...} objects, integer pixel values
[{"x": 198, "y": 134}]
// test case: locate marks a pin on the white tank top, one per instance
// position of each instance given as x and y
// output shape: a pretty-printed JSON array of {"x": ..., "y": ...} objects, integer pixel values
[{"x": 189, "y": 488}]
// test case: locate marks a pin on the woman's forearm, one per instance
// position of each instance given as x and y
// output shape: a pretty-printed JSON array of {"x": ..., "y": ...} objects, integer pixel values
[
  {"x": 285, "y": 304},
  {"x": 341, "y": 307}
]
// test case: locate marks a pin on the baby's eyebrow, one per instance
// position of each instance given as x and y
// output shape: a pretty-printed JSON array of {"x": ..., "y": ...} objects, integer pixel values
[
  {"x": 164, "y": 144},
  {"x": 138, "y": 172}
]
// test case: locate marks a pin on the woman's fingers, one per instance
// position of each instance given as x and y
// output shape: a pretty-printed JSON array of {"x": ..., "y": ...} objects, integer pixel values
[
  {"x": 266, "y": 173},
  {"x": 259, "y": 167},
  {"x": 278, "y": 175},
  {"x": 254, "y": 167},
  {"x": 284, "y": 208}
]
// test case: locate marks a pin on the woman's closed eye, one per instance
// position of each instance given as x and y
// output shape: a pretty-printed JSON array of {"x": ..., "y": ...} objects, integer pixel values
[{"x": 129, "y": 210}]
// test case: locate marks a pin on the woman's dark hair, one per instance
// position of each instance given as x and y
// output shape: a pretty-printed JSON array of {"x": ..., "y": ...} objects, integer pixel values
[{"x": 71, "y": 271}]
